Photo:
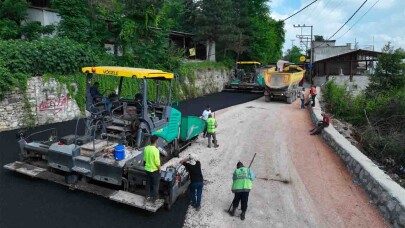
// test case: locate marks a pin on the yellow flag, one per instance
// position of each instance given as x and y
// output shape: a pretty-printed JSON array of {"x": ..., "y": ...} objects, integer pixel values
[{"x": 192, "y": 51}]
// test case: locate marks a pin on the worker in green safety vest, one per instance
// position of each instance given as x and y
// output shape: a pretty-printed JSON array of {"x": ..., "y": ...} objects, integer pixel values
[
  {"x": 211, "y": 129},
  {"x": 241, "y": 186},
  {"x": 151, "y": 157}
]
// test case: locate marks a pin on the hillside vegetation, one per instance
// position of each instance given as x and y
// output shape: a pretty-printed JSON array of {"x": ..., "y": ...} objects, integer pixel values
[
  {"x": 241, "y": 29},
  {"x": 379, "y": 113}
]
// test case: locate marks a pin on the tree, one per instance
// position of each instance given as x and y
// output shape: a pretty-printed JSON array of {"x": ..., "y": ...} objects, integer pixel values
[
  {"x": 75, "y": 23},
  {"x": 214, "y": 21},
  {"x": 390, "y": 71},
  {"x": 12, "y": 12},
  {"x": 293, "y": 55},
  {"x": 319, "y": 38}
]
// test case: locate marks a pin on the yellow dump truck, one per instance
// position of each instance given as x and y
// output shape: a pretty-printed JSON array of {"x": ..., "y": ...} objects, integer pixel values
[{"x": 282, "y": 81}]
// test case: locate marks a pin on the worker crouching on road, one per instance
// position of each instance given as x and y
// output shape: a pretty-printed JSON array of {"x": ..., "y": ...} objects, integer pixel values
[
  {"x": 321, "y": 125},
  {"x": 211, "y": 131},
  {"x": 242, "y": 184},
  {"x": 151, "y": 158},
  {"x": 193, "y": 166}
]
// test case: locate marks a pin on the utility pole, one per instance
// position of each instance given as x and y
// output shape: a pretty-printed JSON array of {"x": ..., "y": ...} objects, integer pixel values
[
  {"x": 292, "y": 43},
  {"x": 312, "y": 46}
]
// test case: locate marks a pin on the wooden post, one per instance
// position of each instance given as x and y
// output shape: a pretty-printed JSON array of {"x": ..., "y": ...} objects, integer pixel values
[{"x": 351, "y": 67}]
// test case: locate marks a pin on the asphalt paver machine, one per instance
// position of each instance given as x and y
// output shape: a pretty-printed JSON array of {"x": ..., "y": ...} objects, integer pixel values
[
  {"x": 247, "y": 77},
  {"x": 90, "y": 162}
]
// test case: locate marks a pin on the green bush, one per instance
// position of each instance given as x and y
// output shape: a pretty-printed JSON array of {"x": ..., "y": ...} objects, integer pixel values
[
  {"x": 380, "y": 120},
  {"x": 9, "y": 80},
  {"x": 48, "y": 55}
]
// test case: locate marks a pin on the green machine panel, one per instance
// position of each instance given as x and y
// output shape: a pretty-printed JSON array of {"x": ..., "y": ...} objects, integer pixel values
[
  {"x": 191, "y": 126},
  {"x": 170, "y": 131}
]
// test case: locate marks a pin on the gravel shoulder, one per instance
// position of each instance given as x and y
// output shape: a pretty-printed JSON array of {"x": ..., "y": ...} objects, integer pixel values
[{"x": 320, "y": 192}]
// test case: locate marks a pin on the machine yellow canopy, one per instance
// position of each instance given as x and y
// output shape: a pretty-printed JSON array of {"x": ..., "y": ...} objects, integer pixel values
[
  {"x": 248, "y": 62},
  {"x": 128, "y": 72}
]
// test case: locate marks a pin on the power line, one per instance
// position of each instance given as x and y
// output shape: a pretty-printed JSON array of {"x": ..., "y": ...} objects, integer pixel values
[
  {"x": 310, "y": 14},
  {"x": 300, "y": 10},
  {"x": 359, "y": 19},
  {"x": 348, "y": 19},
  {"x": 341, "y": 26}
]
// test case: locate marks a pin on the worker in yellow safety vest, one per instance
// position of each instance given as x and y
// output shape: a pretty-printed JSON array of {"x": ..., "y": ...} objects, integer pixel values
[
  {"x": 151, "y": 157},
  {"x": 241, "y": 186},
  {"x": 211, "y": 131}
]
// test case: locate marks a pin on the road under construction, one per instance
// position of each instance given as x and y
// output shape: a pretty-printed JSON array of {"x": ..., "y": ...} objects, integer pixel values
[{"x": 315, "y": 189}]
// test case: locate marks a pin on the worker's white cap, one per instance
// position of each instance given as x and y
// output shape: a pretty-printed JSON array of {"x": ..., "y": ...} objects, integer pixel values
[{"x": 193, "y": 157}]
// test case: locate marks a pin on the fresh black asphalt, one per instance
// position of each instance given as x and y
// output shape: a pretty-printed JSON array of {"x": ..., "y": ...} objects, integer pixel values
[{"x": 28, "y": 202}]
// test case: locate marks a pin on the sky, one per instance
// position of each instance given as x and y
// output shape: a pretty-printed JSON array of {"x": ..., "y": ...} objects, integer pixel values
[{"x": 383, "y": 23}]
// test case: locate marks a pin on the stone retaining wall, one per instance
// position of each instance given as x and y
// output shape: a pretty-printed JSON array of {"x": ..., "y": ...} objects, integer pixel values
[
  {"x": 382, "y": 191},
  {"x": 49, "y": 101}
]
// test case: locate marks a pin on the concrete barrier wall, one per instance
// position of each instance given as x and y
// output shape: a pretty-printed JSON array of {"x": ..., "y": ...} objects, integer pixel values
[{"x": 386, "y": 194}]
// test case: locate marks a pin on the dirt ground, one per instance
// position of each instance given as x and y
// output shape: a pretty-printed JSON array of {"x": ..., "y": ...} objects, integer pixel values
[{"x": 320, "y": 192}]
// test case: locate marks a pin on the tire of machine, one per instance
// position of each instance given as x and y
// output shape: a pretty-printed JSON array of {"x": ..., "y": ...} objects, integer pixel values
[{"x": 289, "y": 100}]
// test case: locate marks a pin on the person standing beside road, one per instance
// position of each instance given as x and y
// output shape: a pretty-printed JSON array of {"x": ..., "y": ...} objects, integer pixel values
[
  {"x": 151, "y": 157},
  {"x": 313, "y": 94},
  {"x": 241, "y": 186},
  {"x": 204, "y": 116},
  {"x": 193, "y": 166},
  {"x": 211, "y": 131},
  {"x": 302, "y": 97}
]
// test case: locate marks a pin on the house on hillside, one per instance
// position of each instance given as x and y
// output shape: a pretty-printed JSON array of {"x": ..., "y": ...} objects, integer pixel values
[
  {"x": 330, "y": 59},
  {"x": 41, "y": 11}
]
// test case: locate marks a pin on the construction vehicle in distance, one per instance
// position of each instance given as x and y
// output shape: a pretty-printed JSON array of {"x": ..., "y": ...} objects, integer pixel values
[
  {"x": 282, "y": 81},
  {"x": 247, "y": 77},
  {"x": 108, "y": 159}
]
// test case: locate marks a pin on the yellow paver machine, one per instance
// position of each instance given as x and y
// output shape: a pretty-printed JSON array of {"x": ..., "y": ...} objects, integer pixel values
[{"x": 108, "y": 159}]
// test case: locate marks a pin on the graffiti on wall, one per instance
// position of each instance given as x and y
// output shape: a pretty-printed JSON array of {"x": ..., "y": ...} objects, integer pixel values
[{"x": 55, "y": 104}]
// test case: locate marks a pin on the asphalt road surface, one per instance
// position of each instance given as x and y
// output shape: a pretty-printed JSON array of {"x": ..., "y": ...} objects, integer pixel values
[{"x": 27, "y": 202}]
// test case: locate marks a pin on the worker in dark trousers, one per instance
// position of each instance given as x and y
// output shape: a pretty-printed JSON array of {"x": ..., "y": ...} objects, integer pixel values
[
  {"x": 242, "y": 184},
  {"x": 313, "y": 94},
  {"x": 211, "y": 130},
  {"x": 204, "y": 116},
  {"x": 302, "y": 97},
  {"x": 193, "y": 167},
  {"x": 151, "y": 157},
  {"x": 320, "y": 125}
]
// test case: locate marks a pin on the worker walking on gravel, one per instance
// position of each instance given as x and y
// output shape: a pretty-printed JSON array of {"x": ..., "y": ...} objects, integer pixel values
[
  {"x": 242, "y": 184},
  {"x": 193, "y": 167},
  {"x": 151, "y": 157},
  {"x": 204, "y": 116},
  {"x": 211, "y": 130}
]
